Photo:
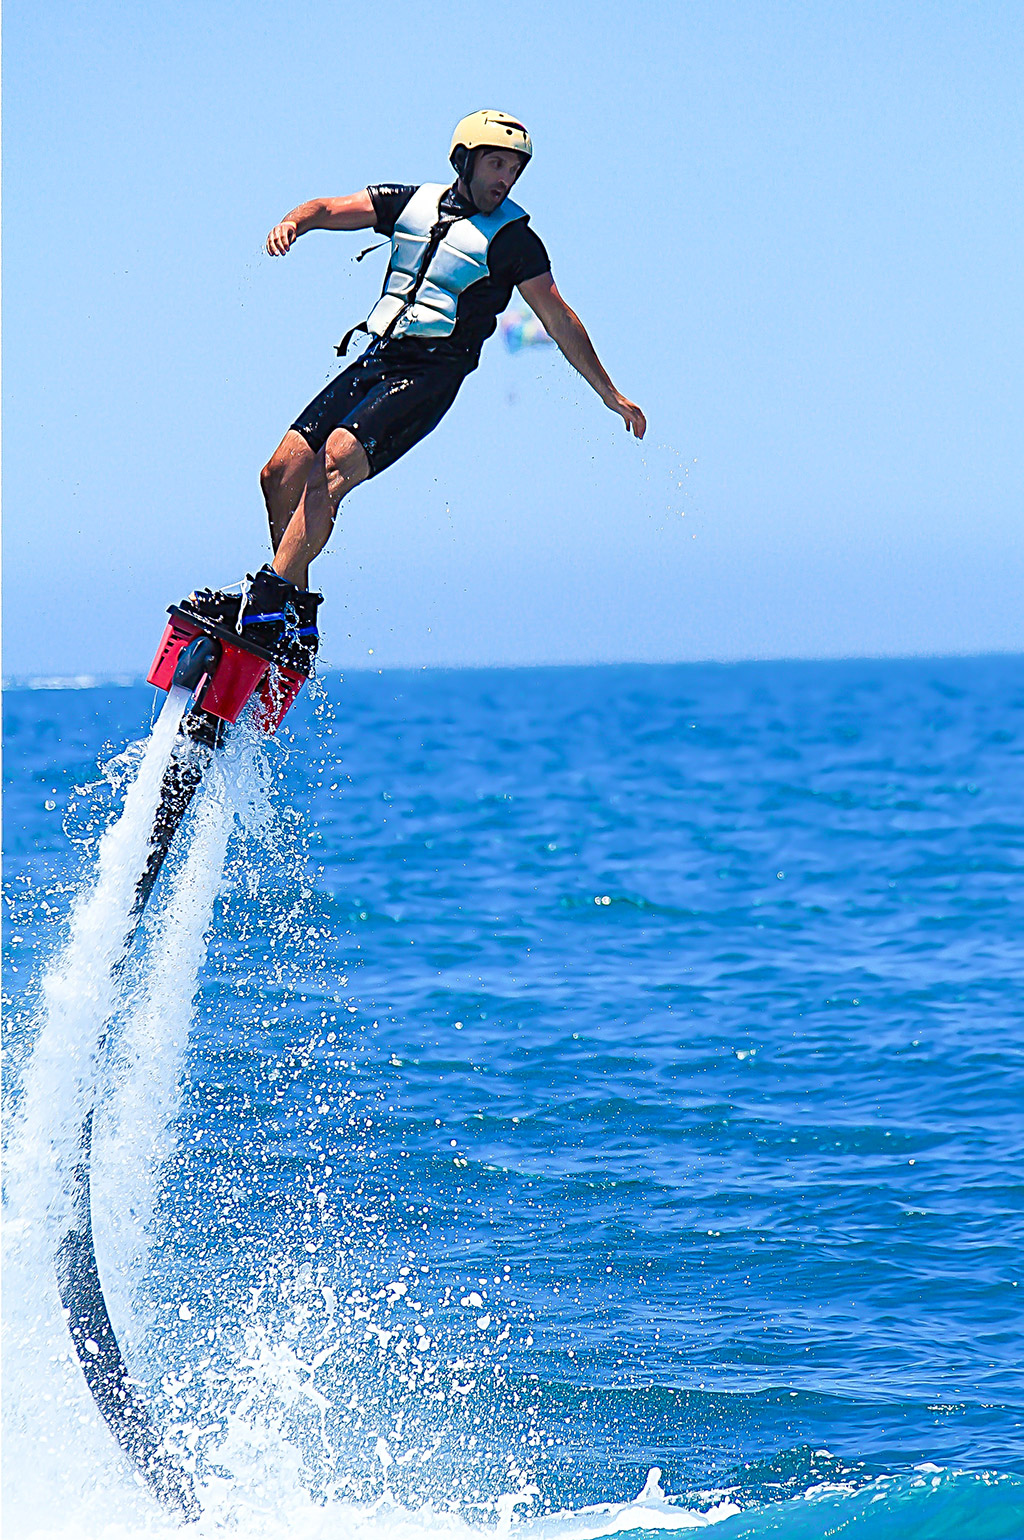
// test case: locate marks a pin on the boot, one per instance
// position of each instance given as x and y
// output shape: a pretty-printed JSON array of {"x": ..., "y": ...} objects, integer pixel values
[
  {"x": 302, "y": 639},
  {"x": 281, "y": 618},
  {"x": 214, "y": 604},
  {"x": 266, "y": 597}
]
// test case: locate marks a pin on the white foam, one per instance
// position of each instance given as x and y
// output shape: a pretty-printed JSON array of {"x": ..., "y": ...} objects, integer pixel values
[
  {"x": 71, "y": 681},
  {"x": 60, "y": 1456},
  {"x": 54, "y": 1439},
  {"x": 134, "y": 1133},
  {"x": 79, "y": 994}
]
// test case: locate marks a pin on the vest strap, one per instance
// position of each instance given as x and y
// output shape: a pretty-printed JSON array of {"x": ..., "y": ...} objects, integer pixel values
[{"x": 341, "y": 348}]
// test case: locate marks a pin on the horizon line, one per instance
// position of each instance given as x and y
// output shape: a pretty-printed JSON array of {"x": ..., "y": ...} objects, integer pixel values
[{"x": 101, "y": 680}]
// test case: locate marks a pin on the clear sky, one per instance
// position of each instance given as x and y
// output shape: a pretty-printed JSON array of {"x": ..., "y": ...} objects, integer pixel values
[{"x": 793, "y": 229}]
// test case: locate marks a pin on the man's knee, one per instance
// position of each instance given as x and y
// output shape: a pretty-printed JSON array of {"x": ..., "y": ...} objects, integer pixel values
[
  {"x": 270, "y": 476},
  {"x": 291, "y": 459},
  {"x": 345, "y": 460}
]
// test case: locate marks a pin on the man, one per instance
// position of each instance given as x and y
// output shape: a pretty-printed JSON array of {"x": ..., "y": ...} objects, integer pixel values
[{"x": 456, "y": 254}]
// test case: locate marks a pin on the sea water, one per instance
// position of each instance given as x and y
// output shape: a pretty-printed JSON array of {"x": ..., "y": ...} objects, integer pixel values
[{"x": 560, "y": 1101}]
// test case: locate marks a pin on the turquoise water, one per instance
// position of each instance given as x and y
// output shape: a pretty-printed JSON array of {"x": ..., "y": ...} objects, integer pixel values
[{"x": 589, "y": 1071}]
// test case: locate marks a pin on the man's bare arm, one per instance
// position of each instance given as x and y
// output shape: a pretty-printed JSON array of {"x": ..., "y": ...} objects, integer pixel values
[
  {"x": 352, "y": 213},
  {"x": 565, "y": 327}
]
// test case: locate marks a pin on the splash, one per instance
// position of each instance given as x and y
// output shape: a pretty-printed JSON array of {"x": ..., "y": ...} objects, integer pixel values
[
  {"x": 79, "y": 995},
  {"x": 53, "y": 1427},
  {"x": 135, "y": 1131},
  {"x": 111, "y": 1038}
]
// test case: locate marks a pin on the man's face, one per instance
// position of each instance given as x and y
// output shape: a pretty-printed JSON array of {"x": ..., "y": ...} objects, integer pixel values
[{"x": 494, "y": 171}]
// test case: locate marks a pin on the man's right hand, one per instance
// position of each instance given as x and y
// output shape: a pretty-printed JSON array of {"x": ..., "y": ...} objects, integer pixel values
[
  {"x": 355, "y": 212},
  {"x": 282, "y": 238}
]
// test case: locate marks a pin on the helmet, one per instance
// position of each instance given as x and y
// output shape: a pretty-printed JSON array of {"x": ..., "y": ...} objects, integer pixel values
[{"x": 487, "y": 130}]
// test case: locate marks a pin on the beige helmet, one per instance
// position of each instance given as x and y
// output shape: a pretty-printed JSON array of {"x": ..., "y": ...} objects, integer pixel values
[{"x": 487, "y": 130}]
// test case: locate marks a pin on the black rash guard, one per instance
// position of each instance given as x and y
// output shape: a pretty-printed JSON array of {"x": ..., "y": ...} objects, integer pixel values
[{"x": 515, "y": 255}]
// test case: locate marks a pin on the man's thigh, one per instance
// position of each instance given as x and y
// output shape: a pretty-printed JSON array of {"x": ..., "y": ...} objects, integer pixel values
[
  {"x": 328, "y": 410},
  {"x": 401, "y": 410}
]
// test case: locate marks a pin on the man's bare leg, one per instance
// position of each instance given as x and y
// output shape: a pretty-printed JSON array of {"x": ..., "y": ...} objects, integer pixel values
[
  {"x": 339, "y": 466},
  {"x": 283, "y": 480}
]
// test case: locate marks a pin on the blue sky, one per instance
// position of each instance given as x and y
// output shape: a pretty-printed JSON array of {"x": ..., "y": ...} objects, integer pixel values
[{"x": 792, "y": 229}]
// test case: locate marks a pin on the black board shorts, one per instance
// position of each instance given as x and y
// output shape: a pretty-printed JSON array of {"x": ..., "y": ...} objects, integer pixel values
[{"x": 389, "y": 399}]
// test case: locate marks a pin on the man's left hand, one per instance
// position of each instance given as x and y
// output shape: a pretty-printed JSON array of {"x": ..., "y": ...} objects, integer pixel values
[{"x": 636, "y": 422}]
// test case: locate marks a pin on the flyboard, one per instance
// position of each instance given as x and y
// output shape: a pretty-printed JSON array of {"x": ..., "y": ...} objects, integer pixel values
[{"x": 223, "y": 674}]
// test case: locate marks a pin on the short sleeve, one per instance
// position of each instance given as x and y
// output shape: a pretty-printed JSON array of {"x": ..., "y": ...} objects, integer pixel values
[
  {"x": 517, "y": 254},
  {"x": 534, "y": 259},
  {"x": 388, "y": 199}
]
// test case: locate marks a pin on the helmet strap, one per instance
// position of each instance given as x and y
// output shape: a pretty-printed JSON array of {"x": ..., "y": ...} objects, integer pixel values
[{"x": 462, "y": 160}]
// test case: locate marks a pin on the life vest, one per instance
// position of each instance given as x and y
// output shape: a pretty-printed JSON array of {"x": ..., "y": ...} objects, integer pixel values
[{"x": 432, "y": 262}]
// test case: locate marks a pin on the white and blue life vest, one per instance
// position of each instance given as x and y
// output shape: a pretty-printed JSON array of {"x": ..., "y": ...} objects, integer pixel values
[{"x": 431, "y": 267}]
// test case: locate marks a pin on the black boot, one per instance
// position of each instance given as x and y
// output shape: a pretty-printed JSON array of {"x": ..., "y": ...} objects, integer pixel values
[
  {"x": 214, "y": 604},
  {"x": 281, "y": 618},
  {"x": 266, "y": 599},
  {"x": 302, "y": 639}
]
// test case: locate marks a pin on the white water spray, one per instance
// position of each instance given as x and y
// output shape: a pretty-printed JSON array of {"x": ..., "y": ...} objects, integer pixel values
[
  {"x": 79, "y": 995},
  {"x": 52, "y": 1424},
  {"x": 134, "y": 1130},
  {"x": 134, "y": 1134}
]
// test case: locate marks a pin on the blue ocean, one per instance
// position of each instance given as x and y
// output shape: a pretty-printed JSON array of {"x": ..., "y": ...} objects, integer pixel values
[{"x": 556, "y": 1103}]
